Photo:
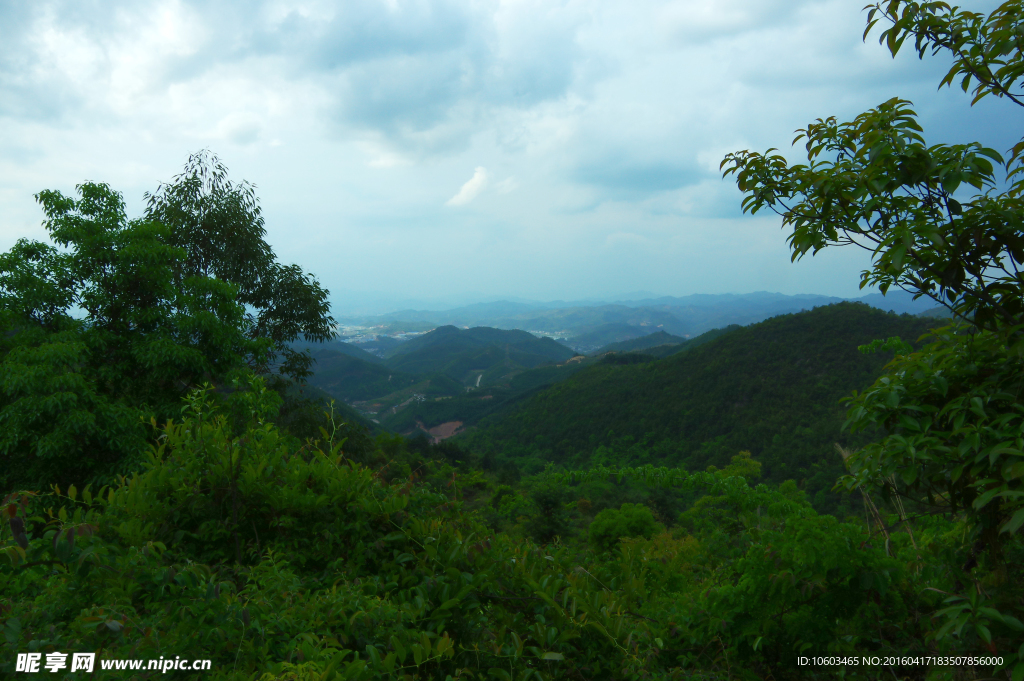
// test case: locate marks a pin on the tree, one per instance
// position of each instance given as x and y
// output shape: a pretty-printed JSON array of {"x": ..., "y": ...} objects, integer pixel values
[
  {"x": 953, "y": 411},
  {"x": 551, "y": 519},
  {"x": 97, "y": 333},
  {"x": 221, "y": 229},
  {"x": 874, "y": 183},
  {"x": 630, "y": 520}
]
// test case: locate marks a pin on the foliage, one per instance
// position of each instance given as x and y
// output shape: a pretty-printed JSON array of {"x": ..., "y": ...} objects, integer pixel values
[
  {"x": 550, "y": 521},
  {"x": 114, "y": 323},
  {"x": 98, "y": 331},
  {"x": 342, "y": 556},
  {"x": 280, "y": 560},
  {"x": 770, "y": 388},
  {"x": 220, "y": 227},
  {"x": 743, "y": 465},
  {"x": 353, "y": 379},
  {"x": 950, "y": 410},
  {"x": 986, "y": 49},
  {"x": 880, "y": 187},
  {"x": 630, "y": 520},
  {"x": 957, "y": 422}
]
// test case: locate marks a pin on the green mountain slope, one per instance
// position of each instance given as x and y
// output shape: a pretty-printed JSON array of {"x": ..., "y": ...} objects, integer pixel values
[
  {"x": 642, "y": 343},
  {"x": 460, "y": 352},
  {"x": 937, "y": 312},
  {"x": 771, "y": 388},
  {"x": 352, "y": 379},
  {"x": 437, "y": 365},
  {"x": 472, "y": 406},
  {"x": 689, "y": 344},
  {"x": 604, "y": 334}
]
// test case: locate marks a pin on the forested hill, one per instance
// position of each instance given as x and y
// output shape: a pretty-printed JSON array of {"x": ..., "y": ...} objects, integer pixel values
[
  {"x": 456, "y": 351},
  {"x": 454, "y": 339},
  {"x": 642, "y": 343},
  {"x": 772, "y": 388}
]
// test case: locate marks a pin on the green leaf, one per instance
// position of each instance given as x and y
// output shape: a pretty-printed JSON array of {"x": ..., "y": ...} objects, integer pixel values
[
  {"x": 451, "y": 602},
  {"x": 399, "y": 648},
  {"x": 1014, "y": 523},
  {"x": 1013, "y": 622}
]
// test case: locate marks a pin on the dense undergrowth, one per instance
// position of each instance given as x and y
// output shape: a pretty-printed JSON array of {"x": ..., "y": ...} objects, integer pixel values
[{"x": 285, "y": 560}]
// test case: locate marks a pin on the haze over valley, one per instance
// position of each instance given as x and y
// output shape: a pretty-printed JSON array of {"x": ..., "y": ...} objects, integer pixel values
[{"x": 393, "y": 367}]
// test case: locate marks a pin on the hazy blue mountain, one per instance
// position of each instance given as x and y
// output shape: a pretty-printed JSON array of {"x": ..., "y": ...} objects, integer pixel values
[
  {"x": 603, "y": 335},
  {"x": 350, "y": 349},
  {"x": 700, "y": 313},
  {"x": 685, "y": 316},
  {"x": 651, "y": 340},
  {"x": 758, "y": 299},
  {"x": 453, "y": 338},
  {"x": 938, "y": 312},
  {"x": 577, "y": 321},
  {"x": 382, "y": 346},
  {"x": 899, "y": 302}
]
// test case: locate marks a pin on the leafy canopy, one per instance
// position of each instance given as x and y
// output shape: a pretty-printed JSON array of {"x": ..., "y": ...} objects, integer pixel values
[
  {"x": 936, "y": 224},
  {"x": 220, "y": 226},
  {"x": 117, "y": 319},
  {"x": 629, "y": 520},
  {"x": 875, "y": 183},
  {"x": 98, "y": 331},
  {"x": 953, "y": 410}
]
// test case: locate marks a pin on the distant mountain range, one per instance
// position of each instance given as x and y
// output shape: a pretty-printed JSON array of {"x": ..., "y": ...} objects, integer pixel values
[
  {"x": 439, "y": 364},
  {"x": 402, "y": 381},
  {"x": 588, "y": 326}
]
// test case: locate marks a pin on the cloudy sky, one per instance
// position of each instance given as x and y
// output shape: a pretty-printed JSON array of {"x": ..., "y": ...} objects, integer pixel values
[{"x": 447, "y": 150}]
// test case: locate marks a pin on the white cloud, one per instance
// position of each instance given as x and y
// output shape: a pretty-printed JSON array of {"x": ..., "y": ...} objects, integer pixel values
[
  {"x": 506, "y": 186},
  {"x": 356, "y": 117},
  {"x": 240, "y": 128},
  {"x": 471, "y": 189}
]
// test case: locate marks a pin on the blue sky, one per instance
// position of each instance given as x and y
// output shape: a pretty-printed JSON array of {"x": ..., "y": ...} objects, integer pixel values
[{"x": 450, "y": 151}]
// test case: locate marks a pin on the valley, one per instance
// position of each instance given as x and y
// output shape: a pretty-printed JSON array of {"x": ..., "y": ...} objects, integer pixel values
[{"x": 771, "y": 388}]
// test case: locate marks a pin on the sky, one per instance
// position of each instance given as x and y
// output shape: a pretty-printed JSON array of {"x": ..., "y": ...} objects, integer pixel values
[{"x": 443, "y": 152}]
